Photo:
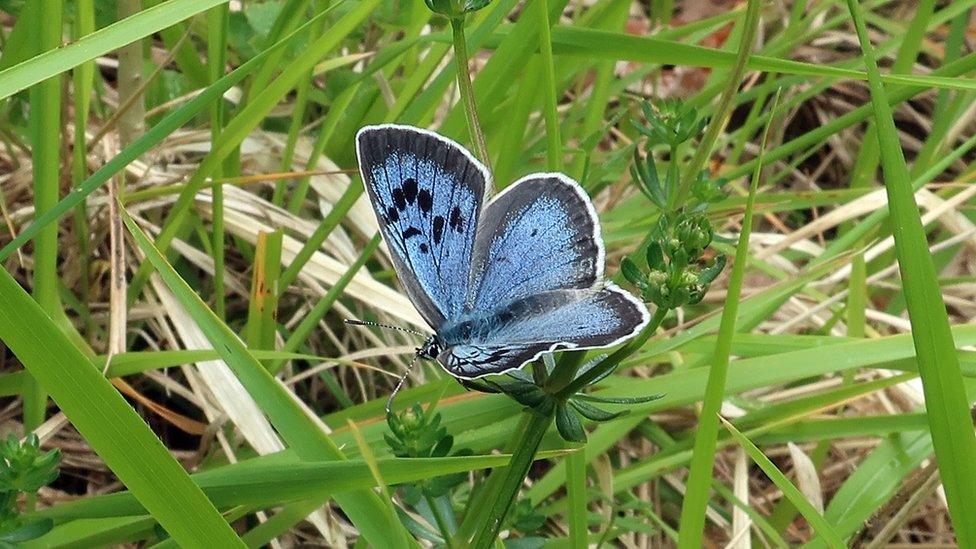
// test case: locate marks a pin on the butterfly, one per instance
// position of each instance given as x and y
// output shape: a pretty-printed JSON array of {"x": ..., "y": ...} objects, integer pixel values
[{"x": 500, "y": 283}]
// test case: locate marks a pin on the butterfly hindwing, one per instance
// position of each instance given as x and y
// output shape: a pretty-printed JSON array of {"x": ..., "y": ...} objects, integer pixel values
[
  {"x": 520, "y": 332},
  {"x": 427, "y": 192},
  {"x": 540, "y": 234}
]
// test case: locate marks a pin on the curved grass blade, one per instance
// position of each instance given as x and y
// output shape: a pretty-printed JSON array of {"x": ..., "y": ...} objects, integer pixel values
[
  {"x": 947, "y": 406},
  {"x": 108, "y": 423},
  {"x": 789, "y": 490},
  {"x": 98, "y": 43},
  {"x": 300, "y": 432}
]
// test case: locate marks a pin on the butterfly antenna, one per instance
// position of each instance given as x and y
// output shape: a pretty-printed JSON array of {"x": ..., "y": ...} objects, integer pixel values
[
  {"x": 399, "y": 385},
  {"x": 387, "y": 326}
]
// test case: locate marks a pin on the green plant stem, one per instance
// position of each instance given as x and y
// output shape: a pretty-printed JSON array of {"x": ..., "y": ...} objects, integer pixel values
[
  {"x": 576, "y": 494},
  {"x": 553, "y": 141},
  {"x": 526, "y": 445},
  {"x": 703, "y": 457},
  {"x": 217, "y": 21},
  {"x": 440, "y": 520},
  {"x": 45, "y": 133},
  {"x": 724, "y": 107},
  {"x": 467, "y": 92},
  {"x": 82, "y": 80}
]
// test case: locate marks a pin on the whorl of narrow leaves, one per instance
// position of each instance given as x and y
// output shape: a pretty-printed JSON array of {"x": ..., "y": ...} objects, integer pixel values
[
  {"x": 24, "y": 469},
  {"x": 569, "y": 413},
  {"x": 676, "y": 273}
]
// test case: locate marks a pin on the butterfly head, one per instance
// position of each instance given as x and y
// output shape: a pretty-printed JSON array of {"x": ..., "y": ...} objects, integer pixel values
[{"x": 430, "y": 349}]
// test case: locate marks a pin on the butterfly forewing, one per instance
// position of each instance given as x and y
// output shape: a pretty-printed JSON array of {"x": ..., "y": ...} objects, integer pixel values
[
  {"x": 540, "y": 234},
  {"x": 426, "y": 191},
  {"x": 520, "y": 332},
  {"x": 500, "y": 288}
]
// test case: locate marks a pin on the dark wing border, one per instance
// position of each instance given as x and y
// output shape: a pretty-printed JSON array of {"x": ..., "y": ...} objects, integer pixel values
[{"x": 422, "y": 301}]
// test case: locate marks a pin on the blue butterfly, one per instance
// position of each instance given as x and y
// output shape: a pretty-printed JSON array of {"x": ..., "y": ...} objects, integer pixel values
[{"x": 502, "y": 284}]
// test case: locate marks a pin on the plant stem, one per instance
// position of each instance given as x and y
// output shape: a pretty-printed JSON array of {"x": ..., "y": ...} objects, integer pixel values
[
  {"x": 703, "y": 457},
  {"x": 553, "y": 141},
  {"x": 217, "y": 22},
  {"x": 528, "y": 442},
  {"x": 440, "y": 520},
  {"x": 45, "y": 133},
  {"x": 724, "y": 107},
  {"x": 467, "y": 92}
]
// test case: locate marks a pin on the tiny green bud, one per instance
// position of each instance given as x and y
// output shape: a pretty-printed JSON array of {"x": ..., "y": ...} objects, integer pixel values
[{"x": 455, "y": 9}]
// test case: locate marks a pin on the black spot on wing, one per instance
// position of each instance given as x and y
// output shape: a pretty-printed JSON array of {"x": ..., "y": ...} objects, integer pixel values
[
  {"x": 391, "y": 215},
  {"x": 410, "y": 189},
  {"x": 411, "y": 231},
  {"x": 438, "y": 229},
  {"x": 425, "y": 201},
  {"x": 457, "y": 221},
  {"x": 399, "y": 200},
  {"x": 423, "y": 247}
]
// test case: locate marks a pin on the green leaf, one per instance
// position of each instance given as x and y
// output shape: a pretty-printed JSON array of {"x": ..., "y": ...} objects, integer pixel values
[
  {"x": 592, "y": 412},
  {"x": 289, "y": 419},
  {"x": 633, "y": 274},
  {"x": 108, "y": 423},
  {"x": 789, "y": 490},
  {"x": 569, "y": 425},
  {"x": 947, "y": 406},
  {"x": 100, "y": 42}
]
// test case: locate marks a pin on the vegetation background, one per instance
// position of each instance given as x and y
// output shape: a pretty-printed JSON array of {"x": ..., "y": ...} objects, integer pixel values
[{"x": 184, "y": 232}]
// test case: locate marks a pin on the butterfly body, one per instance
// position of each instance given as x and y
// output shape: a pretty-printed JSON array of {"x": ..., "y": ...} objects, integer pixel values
[{"x": 502, "y": 284}]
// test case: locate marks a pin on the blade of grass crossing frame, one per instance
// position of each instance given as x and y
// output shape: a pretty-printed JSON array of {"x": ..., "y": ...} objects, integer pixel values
[
  {"x": 703, "y": 458},
  {"x": 790, "y": 491},
  {"x": 108, "y": 423},
  {"x": 299, "y": 431},
  {"x": 98, "y": 43},
  {"x": 947, "y": 407},
  {"x": 170, "y": 123},
  {"x": 250, "y": 116}
]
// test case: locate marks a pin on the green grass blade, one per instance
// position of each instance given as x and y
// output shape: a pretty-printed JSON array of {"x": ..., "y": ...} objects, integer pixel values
[
  {"x": 300, "y": 433},
  {"x": 692, "y": 526},
  {"x": 112, "y": 37},
  {"x": 947, "y": 406},
  {"x": 789, "y": 490},
  {"x": 108, "y": 423},
  {"x": 270, "y": 480}
]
